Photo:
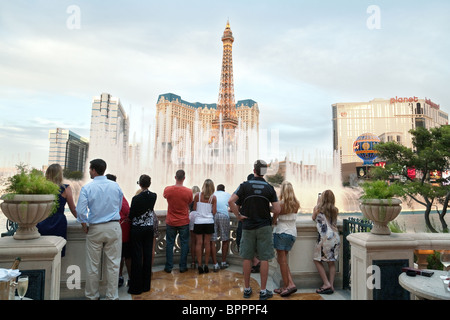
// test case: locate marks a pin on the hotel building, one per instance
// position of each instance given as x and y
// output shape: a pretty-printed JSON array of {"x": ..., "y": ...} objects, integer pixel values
[
  {"x": 109, "y": 127},
  {"x": 67, "y": 149},
  {"x": 389, "y": 119},
  {"x": 171, "y": 106},
  {"x": 175, "y": 114}
]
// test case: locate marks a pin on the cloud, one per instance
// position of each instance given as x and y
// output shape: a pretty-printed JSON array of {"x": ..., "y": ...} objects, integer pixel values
[{"x": 295, "y": 58}]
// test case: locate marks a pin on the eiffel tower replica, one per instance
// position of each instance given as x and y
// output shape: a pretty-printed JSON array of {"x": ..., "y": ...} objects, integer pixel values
[{"x": 225, "y": 121}]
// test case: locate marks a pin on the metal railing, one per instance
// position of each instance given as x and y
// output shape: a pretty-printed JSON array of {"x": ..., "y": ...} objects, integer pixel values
[
  {"x": 351, "y": 225},
  {"x": 11, "y": 228}
]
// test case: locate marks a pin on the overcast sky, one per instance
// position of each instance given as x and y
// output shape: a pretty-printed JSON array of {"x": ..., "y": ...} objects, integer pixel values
[{"x": 295, "y": 58}]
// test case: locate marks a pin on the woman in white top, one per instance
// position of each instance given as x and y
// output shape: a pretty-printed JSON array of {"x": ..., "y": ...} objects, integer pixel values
[
  {"x": 285, "y": 234},
  {"x": 205, "y": 205}
]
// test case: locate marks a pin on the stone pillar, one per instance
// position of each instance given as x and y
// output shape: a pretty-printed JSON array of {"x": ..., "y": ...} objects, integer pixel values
[
  {"x": 41, "y": 254},
  {"x": 376, "y": 263}
]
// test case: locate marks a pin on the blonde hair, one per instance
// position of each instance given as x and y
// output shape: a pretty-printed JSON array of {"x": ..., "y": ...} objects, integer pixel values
[
  {"x": 327, "y": 207},
  {"x": 195, "y": 190},
  {"x": 288, "y": 201},
  {"x": 208, "y": 188},
  {"x": 54, "y": 173}
]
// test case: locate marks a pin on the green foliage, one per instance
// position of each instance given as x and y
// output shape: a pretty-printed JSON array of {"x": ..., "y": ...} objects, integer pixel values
[
  {"x": 380, "y": 189},
  {"x": 73, "y": 175},
  {"x": 275, "y": 179},
  {"x": 434, "y": 261},
  {"x": 395, "y": 227},
  {"x": 430, "y": 152},
  {"x": 30, "y": 182}
]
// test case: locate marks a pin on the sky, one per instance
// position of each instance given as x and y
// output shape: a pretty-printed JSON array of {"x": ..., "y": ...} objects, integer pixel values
[{"x": 295, "y": 58}]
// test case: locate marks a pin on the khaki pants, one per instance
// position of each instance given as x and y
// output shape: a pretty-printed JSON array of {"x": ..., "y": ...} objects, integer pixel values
[{"x": 103, "y": 238}]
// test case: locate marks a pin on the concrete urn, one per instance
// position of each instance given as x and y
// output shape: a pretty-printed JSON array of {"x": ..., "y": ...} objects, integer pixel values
[
  {"x": 27, "y": 210},
  {"x": 381, "y": 212}
]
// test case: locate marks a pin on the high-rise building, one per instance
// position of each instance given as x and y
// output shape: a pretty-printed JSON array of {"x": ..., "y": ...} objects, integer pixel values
[
  {"x": 390, "y": 120},
  {"x": 175, "y": 114},
  {"x": 67, "y": 149},
  {"x": 109, "y": 127}
]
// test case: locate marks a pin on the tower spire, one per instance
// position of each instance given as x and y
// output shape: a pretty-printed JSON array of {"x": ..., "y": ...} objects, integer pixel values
[{"x": 226, "y": 105}]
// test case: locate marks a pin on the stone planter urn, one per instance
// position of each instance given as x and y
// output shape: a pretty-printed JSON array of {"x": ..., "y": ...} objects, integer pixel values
[
  {"x": 381, "y": 212},
  {"x": 27, "y": 210}
]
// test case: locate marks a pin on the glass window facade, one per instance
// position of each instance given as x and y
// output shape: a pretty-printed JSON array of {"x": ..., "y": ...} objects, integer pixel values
[{"x": 67, "y": 149}]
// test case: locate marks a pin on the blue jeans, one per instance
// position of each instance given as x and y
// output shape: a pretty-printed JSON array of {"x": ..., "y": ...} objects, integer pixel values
[{"x": 171, "y": 233}]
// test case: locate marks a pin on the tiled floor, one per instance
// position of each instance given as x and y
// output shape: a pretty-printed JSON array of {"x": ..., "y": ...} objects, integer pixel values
[{"x": 226, "y": 284}]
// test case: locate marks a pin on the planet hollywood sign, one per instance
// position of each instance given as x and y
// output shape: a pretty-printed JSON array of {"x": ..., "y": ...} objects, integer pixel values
[
  {"x": 401, "y": 100},
  {"x": 414, "y": 99}
]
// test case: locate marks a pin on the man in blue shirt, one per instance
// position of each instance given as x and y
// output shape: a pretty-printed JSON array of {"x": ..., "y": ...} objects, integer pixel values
[{"x": 98, "y": 211}]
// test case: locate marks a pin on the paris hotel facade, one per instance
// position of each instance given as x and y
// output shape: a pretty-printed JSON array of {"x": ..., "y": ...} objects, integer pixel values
[
  {"x": 389, "y": 119},
  {"x": 171, "y": 106}
]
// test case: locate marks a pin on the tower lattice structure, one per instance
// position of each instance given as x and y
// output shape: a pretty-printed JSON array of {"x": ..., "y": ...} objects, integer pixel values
[{"x": 226, "y": 108}]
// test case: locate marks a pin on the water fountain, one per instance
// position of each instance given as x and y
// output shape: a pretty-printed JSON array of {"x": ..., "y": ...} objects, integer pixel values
[
  {"x": 225, "y": 163},
  {"x": 316, "y": 175},
  {"x": 228, "y": 160}
]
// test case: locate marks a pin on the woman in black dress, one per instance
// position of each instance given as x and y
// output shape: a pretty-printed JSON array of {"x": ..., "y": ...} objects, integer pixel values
[{"x": 141, "y": 237}]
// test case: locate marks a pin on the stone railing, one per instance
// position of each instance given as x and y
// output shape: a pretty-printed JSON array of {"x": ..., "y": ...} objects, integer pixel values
[
  {"x": 387, "y": 255},
  {"x": 301, "y": 264},
  {"x": 160, "y": 248}
]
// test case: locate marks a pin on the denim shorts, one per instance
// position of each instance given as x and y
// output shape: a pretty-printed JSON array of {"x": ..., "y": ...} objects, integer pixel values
[{"x": 283, "y": 241}]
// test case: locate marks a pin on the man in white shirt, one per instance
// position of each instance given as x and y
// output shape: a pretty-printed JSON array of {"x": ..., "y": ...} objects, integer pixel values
[{"x": 221, "y": 226}]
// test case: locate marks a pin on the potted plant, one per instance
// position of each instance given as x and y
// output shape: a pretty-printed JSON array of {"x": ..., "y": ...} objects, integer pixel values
[
  {"x": 379, "y": 205},
  {"x": 30, "y": 199}
]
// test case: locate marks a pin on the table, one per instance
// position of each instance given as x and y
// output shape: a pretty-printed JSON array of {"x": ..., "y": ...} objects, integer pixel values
[{"x": 430, "y": 288}]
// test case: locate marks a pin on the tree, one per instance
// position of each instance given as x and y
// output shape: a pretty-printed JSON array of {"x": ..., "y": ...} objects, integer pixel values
[
  {"x": 430, "y": 153},
  {"x": 72, "y": 175}
]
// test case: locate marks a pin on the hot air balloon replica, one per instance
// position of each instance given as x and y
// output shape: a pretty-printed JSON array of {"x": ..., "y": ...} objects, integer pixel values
[{"x": 364, "y": 147}]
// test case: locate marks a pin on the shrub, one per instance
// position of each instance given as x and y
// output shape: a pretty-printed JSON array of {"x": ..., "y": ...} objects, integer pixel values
[{"x": 380, "y": 189}]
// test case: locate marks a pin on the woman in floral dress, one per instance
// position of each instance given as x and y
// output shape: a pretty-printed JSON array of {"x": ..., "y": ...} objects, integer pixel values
[{"x": 328, "y": 242}]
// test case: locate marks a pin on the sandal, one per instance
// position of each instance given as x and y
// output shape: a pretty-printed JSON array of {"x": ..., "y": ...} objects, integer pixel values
[
  {"x": 288, "y": 291},
  {"x": 279, "y": 290},
  {"x": 324, "y": 291}
]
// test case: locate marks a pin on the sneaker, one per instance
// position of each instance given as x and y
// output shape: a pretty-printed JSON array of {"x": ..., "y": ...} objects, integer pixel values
[
  {"x": 216, "y": 267},
  {"x": 224, "y": 265},
  {"x": 247, "y": 293},
  {"x": 264, "y": 295}
]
